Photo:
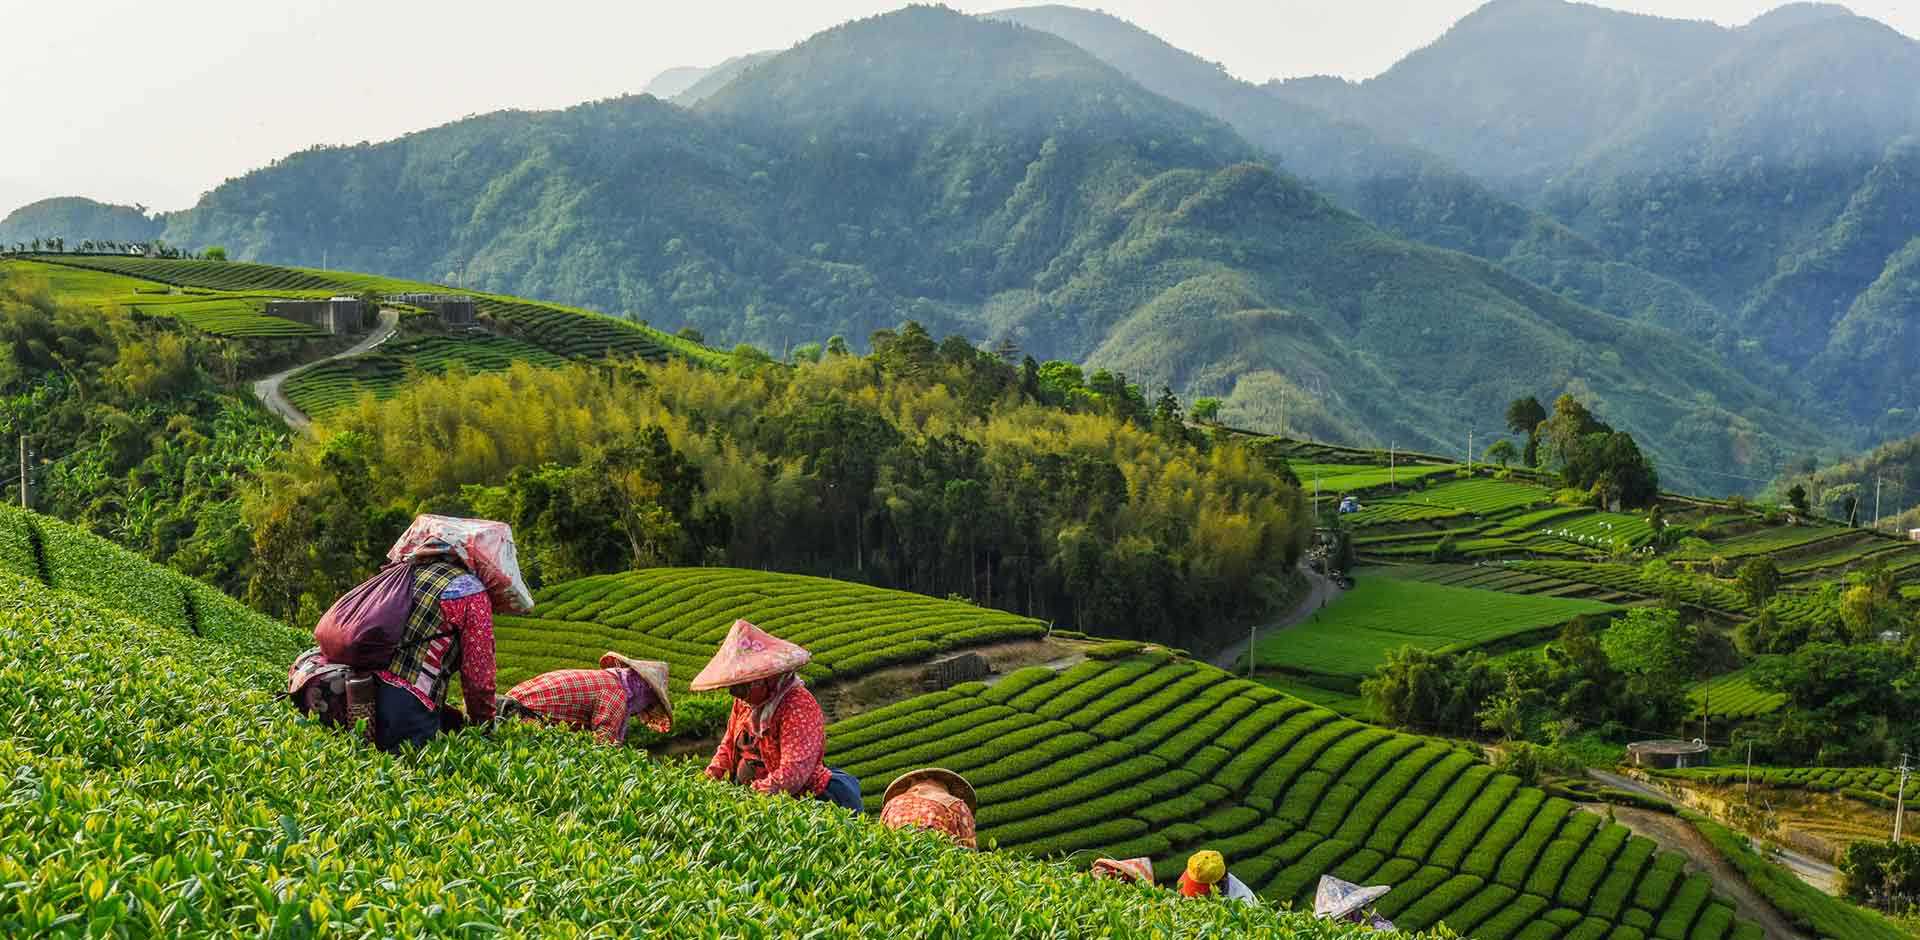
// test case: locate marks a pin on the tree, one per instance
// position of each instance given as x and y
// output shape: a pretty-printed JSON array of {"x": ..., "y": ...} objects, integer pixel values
[
  {"x": 1206, "y": 410},
  {"x": 1797, "y": 497},
  {"x": 215, "y": 253},
  {"x": 691, "y": 335},
  {"x": 1650, "y": 642},
  {"x": 1502, "y": 452},
  {"x": 1524, "y": 416},
  {"x": 1759, "y": 579}
]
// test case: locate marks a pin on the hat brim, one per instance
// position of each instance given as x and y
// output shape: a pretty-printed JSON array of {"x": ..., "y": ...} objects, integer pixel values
[
  {"x": 1357, "y": 899},
  {"x": 1132, "y": 870},
  {"x": 659, "y": 715},
  {"x": 705, "y": 683},
  {"x": 956, "y": 785}
]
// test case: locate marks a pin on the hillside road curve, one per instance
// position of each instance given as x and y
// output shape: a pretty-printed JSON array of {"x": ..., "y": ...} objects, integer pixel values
[
  {"x": 1320, "y": 591},
  {"x": 268, "y": 389}
]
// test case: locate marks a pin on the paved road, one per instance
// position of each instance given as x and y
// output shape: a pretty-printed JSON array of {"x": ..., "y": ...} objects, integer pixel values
[
  {"x": 268, "y": 389},
  {"x": 1321, "y": 591}
]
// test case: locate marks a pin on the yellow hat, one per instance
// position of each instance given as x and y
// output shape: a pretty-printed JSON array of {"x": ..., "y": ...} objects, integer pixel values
[{"x": 1206, "y": 867}]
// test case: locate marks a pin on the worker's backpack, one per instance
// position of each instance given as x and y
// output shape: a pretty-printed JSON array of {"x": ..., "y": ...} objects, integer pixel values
[{"x": 363, "y": 629}]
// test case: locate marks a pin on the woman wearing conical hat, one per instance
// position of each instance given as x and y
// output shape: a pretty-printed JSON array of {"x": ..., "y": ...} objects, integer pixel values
[
  {"x": 776, "y": 735},
  {"x": 932, "y": 798}
]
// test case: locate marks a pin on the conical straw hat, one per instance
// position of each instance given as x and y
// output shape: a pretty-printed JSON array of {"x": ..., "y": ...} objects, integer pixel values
[
  {"x": 956, "y": 784},
  {"x": 1335, "y": 899},
  {"x": 659, "y": 715},
  {"x": 748, "y": 653},
  {"x": 1136, "y": 870}
]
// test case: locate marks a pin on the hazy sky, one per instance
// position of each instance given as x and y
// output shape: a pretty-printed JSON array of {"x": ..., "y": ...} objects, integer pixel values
[{"x": 134, "y": 101}]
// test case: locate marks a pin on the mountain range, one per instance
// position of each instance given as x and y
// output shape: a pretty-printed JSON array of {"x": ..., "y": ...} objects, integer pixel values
[{"x": 1707, "y": 233}]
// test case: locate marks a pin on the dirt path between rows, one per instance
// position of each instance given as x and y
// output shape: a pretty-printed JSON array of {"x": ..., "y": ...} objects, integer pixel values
[
  {"x": 1676, "y": 834},
  {"x": 1320, "y": 591},
  {"x": 268, "y": 389}
]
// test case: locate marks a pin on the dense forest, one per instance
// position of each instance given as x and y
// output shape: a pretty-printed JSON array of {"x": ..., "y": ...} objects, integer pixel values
[{"x": 933, "y": 467}]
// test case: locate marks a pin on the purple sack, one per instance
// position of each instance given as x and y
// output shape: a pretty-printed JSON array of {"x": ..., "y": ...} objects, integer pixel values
[{"x": 364, "y": 627}]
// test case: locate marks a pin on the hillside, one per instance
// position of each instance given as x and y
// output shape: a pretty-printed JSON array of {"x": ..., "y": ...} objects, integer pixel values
[
  {"x": 1143, "y": 756},
  {"x": 1395, "y": 185},
  {"x": 152, "y": 756},
  {"x": 1768, "y": 168},
  {"x": 1006, "y": 185},
  {"x": 78, "y": 220}
]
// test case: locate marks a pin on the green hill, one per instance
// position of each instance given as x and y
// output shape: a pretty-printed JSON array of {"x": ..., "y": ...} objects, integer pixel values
[
  {"x": 998, "y": 182},
  {"x": 680, "y": 615},
  {"x": 162, "y": 788},
  {"x": 78, "y": 220},
  {"x": 1148, "y": 756}
]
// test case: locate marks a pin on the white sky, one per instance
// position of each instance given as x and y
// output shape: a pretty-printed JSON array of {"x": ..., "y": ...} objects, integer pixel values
[{"x": 135, "y": 101}]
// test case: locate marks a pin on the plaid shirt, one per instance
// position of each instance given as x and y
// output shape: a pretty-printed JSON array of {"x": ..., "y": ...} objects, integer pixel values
[
  {"x": 595, "y": 699},
  {"x": 426, "y": 661}
]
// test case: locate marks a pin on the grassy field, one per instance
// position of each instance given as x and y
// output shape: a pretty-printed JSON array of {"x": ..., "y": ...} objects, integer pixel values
[
  {"x": 1352, "y": 637},
  {"x": 679, "y": 616},
  {"x": 1449, "y": 500},
  {"x": 330, "y": 386},
  {"x": 158, "y": 787},
  {"x": 566, "y": 332},
  {"x": 1157, "y": 757}
]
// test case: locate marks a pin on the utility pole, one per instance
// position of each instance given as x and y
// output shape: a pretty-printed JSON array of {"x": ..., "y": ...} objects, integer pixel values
[
  {"x": 1390, "y": 455},
  {"x": 1469, "y": 452},
  {"x": 1900, "y": 802},
  {"x": 1749, "y": 771},
  {"x": 23, "y": 473},
  {"x": 1877, "y": 480},
  {"x": 1252, "y": 636}
]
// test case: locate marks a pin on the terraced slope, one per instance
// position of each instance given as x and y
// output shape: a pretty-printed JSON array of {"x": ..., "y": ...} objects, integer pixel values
[
  {"x": 1150, "y": 756},
  {"x": 563, "y": 331},
  {"x": 158, "y": 787},
  {"x": 237, "y": 314},
  {"x": 330, "y": 386},
  {"x": 1351, "y": 638},
  {"x": 679, "y": 615}
]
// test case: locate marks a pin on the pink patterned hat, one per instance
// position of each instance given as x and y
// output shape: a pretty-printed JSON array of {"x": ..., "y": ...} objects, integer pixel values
[{"x": 748, "y": 653}]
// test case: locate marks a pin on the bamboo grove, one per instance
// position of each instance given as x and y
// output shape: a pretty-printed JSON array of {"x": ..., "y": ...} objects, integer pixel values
[{"x": 935, "y": 468}]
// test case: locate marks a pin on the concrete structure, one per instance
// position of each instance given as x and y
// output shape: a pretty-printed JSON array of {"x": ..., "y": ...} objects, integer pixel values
[
  {"x": 335, "y": 316},
  {"x": 1667, "y": 755},
  {"x": 452, "y": 309},
  {"x": 953, "y": 670},
  {"x": 1914, "y": 534}
]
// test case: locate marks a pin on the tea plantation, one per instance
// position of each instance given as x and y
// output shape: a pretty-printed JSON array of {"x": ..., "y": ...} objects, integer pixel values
[
  {"x": 156, "y": 786},
  {"x": 1147, "y": 755},
  {"x": 335, "y": 384},
  {"x": 238, "y": 315},
  {"x": 679, "y": 616},
  {"x": 562, "y": 331},
  {"x": 1351, "y": 638}
]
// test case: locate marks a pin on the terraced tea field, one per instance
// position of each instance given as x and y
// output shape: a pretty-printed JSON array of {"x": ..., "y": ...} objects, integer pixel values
[
  {"x": 1871, "y": 784},
  {"x": 235, "y": 315},
  {"x": 1151, "y": 756},
  {"x": 1337, "y": 478},
  {"x": 679, "y": 616},
  {"x": 1775, "y": 541},
  {"x": 1505, "y": 577},
  {"x": 562, "y": 331},
  {"x": 1350, "y": 639},
  {"x": 1734, "y": 696},
  {"x": 330, "y": 386},
  {"x": 158, "y": 787},
  {"x": 1450, "y": 500}
]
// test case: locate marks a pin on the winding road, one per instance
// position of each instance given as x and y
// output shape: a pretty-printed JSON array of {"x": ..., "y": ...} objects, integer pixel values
[
  {"x": 1321, "y": 591},
  {"x": 268, "y": 389}
]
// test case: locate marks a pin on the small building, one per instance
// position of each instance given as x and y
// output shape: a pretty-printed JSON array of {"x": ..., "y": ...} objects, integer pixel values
[
  {"x": 452, "y": 309},
  {"x": 1914, "y": 534},
  {"x": 334, "y": 316},
  {"x": 1667, "y": 755}
]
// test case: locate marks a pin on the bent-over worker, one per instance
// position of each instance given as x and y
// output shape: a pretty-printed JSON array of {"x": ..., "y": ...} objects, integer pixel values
[
  {"x": 449, "y": 629},
  {"x": 1206, "y": 877},
  {"x": 932, "y": 798},
  {"x": 1137, "y": 871},
  {"x": 600, "y": 700},
  {"x": 776, "y": 734}
]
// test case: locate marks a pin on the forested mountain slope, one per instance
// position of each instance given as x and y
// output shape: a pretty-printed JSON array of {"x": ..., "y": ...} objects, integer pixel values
[
  {"x": 76, "y": 219},
  {"x": 997, "y": 181},
  {"x": 1768, "y": 168},
  {"x": 1387, "y": 180}
]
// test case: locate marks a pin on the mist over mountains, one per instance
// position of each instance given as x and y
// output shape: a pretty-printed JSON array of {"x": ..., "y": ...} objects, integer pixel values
[{"x": 1709, "y": 233}]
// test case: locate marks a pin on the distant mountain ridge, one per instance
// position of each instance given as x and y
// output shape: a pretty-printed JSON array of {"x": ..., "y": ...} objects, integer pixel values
[
  {"x": 999, "y": 181},
  {"x": 77, "y": 219}
]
